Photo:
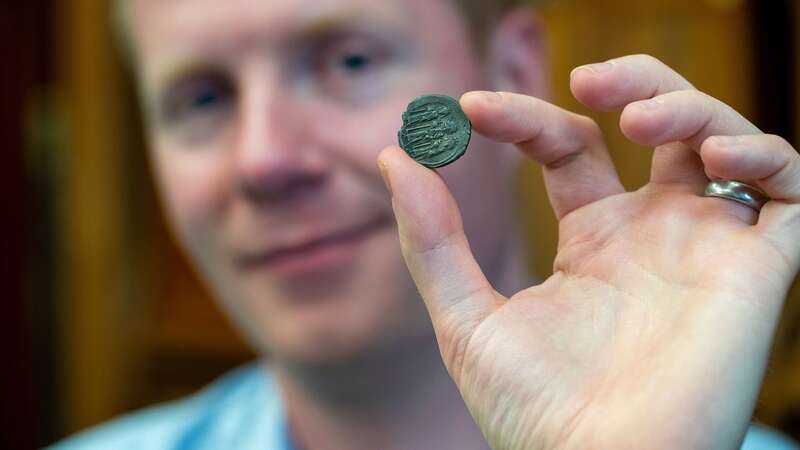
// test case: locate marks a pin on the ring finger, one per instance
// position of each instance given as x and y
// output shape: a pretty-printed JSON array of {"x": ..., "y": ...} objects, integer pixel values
[{"x": 681, "y": 120}]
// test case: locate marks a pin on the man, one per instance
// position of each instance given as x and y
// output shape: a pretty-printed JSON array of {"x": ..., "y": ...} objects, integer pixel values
[{"x": 265, "y": 121}]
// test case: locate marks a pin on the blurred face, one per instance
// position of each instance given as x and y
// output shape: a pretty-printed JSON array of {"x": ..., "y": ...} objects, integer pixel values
[{"x": 265, "y": 119}]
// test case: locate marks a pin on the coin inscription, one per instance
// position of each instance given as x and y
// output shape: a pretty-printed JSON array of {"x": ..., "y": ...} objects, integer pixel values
[{"x": 435, "y": 130}]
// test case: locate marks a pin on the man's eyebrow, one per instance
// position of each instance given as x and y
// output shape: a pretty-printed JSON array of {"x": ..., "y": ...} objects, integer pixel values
[
  {"x": 336, "y": 22},
  {"x": 183, "y": 69}
]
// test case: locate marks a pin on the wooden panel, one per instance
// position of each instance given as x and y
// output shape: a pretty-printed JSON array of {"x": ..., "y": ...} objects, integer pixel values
[
  {"x": 137, "y": 326},
  {"x": 95, "y": 344}
]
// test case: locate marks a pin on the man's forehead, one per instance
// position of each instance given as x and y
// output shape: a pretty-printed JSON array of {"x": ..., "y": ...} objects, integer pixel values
[
  {"x": 169, "y": 35},
  {"x": 216, "y": 23}
]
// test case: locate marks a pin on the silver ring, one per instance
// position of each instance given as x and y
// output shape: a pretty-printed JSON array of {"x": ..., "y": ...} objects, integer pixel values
[{"x": 739, "y": 192}]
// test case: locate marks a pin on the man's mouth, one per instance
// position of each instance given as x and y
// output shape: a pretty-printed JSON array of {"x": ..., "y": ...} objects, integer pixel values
[{"x": 318, "y": 254}]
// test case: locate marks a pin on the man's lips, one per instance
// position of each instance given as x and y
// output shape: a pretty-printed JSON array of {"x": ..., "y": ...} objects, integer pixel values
[{"x": 314, "y": 253}]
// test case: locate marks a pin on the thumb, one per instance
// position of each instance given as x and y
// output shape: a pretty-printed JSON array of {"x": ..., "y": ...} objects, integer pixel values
[{"x": 456, "y": 292}]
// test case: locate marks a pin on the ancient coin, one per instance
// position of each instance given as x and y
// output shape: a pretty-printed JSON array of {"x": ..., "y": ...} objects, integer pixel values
[{"x": 435, "y": 130}]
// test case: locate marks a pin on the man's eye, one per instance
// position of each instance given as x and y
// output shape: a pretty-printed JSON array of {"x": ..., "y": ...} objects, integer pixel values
[
  {"x": 201, "y": 98},
  {"x": 349, "y": 67},
  {"x": 350, "y": 56},
  {"x": 205, "y": 99},
  {"x": 197, "y": 99},
  {"x": 355, "y": 62}
]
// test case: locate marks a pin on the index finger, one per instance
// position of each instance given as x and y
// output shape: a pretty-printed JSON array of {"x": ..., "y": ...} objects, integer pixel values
[
  {"x": 611, "y": 85},
  {"x": 575, "y": 161}
]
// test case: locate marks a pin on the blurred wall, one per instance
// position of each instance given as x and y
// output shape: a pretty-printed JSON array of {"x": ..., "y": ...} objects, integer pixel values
[
  {"x": 24, "y": 38},
  {"x": 134, "y": 324}
]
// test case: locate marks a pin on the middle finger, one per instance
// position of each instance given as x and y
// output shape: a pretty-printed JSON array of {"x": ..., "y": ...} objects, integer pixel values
[
  {"x": 688, "y": 116},
  {"x": 677, "y": 124}
]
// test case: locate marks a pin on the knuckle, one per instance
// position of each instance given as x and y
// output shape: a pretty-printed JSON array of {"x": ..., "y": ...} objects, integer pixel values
[
  {"x": 647, "y": 60},
  {"x": 577, "y": 134},
  {"x": 778, "y": 142},
  {"x": 694, "y": 97},
  {"x": 650, "y": 59},
  {"x": 706, "y": 106},
  {"x": 587, "y": 126}
]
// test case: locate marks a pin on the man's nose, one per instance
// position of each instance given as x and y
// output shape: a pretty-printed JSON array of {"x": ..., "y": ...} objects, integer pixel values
[{"x": 276, "y": 156}]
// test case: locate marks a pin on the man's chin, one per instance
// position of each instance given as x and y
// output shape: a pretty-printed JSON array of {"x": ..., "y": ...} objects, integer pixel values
[
  {"x": 343, "y": 345},
  {"x": 318, "y": 350}
]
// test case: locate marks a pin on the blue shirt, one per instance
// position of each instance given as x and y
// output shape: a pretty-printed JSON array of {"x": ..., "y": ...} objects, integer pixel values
[{"x": 242, "y": 410}]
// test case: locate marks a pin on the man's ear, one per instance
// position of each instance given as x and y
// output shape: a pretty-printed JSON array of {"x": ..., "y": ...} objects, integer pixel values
[{"x": 517, "y": 54}]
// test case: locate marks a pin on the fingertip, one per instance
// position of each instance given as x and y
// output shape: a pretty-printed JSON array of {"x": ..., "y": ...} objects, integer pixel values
[
  {"x": 394, "y": 159},
  {"x": 404, "y": 175},
  {"x": 384, "y": 162},
  {"x": 388, "y": 155},
  {"x": 495, "y": 115},
  {"x": 596, "y": 86},
  {"x": 642, "y": 123},
  {"x": 477, "y": 105},
  {"x": 474, "y": 99},
  {"x": 730, "y": 157},
  {"x": 468, "y": 99},
  {"x": 426, "y": 212},
  {"x": 716, "y": 160},
  {"x": 580, "y": 84}
]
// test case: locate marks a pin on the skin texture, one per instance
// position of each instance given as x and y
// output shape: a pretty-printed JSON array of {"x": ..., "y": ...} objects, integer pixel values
[{"x": 657, "y": 323}]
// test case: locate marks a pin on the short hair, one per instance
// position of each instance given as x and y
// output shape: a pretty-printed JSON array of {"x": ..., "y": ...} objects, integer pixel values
[{"x": 481, "y": 16}]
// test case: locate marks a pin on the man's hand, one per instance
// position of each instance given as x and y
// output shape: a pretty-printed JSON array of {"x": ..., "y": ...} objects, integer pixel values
[{"x": 655, "y": 328}]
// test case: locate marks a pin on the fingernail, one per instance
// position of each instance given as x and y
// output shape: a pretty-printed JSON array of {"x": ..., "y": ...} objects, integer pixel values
[
  {"x": 594, "y": 68},
  {"x": 385, "y": 175},
  {"x": 486, "y": 96},
  {"x": 649, "y": 105}
]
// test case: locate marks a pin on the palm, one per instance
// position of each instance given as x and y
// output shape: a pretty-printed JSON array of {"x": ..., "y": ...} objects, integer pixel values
[
  {"x": 636, "y": 303},
  {"x": 655, "y": 328}
]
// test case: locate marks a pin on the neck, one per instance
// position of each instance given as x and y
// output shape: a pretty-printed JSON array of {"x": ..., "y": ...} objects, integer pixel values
[
  {"x": 396, "y": 398},
  {"x": 399, "y": 399}
]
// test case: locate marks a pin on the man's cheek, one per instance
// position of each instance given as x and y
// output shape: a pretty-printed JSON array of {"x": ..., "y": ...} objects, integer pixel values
[
  {"x": 360, "y": 137},
  {"x": 196, "y": 194}
]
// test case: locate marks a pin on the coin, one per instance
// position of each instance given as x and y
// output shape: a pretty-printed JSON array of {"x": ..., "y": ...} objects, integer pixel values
[{"x": 435, "y": 130}]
